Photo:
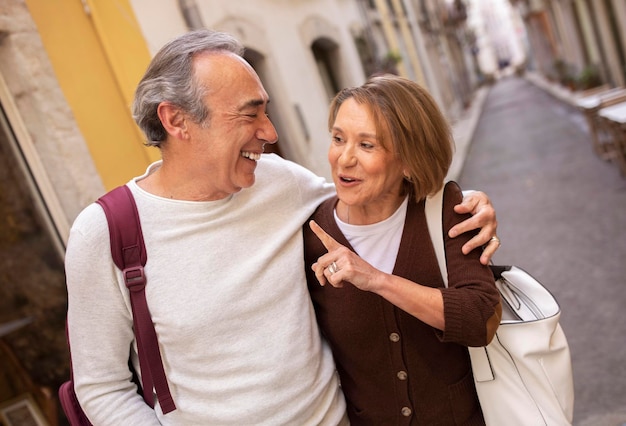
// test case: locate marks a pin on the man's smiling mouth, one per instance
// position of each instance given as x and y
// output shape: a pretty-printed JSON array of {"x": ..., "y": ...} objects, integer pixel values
[{"x": 251, "y": 155}]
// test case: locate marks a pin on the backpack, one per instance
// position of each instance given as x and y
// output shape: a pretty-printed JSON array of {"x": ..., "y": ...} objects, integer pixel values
[{"x": 129, "y": 254}]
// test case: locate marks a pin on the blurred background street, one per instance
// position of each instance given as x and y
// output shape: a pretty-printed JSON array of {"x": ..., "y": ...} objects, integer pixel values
[{"x": 562, "y": 217}]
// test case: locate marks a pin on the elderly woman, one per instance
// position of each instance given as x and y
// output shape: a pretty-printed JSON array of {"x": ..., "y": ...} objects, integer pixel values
[{"x": 399, "y": 337}]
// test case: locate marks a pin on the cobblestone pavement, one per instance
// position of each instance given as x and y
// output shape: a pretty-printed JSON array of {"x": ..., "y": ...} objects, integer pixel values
[{"x": 562, "y": 217}]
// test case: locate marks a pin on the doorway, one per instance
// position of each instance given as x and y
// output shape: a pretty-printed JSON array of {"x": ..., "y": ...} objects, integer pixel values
[{"x": 33, "y": 300}]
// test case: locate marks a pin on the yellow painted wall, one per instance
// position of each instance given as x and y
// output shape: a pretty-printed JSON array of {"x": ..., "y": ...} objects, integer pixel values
[{"x": 98, "y": 54}]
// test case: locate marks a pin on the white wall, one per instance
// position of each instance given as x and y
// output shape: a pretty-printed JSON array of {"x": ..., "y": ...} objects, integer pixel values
[{"x": 498, "y": 29}]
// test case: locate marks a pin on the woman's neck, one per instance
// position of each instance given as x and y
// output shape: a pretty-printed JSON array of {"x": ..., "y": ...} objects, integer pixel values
[{"x": 367, "y": 214}]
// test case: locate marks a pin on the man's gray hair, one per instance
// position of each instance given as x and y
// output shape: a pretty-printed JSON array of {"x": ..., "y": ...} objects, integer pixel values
[{"x": 170, "y": 78}]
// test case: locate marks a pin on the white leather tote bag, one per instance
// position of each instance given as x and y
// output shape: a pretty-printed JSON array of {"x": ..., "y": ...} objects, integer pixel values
[{"x": 524, "y": 376}]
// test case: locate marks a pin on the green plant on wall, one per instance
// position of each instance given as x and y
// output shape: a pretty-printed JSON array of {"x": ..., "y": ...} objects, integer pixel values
[
  {"x": 390, "y": 60},
  {"x": 589, "y": 78},
  {"x": 564, "y": 74}
]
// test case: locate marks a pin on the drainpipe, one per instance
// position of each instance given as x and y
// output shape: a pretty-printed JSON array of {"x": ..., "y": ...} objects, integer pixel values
[
  {"x": 390, "y": 34},
  {"x": 428, "y": 79},
  {"x": 191, "y": 14}
]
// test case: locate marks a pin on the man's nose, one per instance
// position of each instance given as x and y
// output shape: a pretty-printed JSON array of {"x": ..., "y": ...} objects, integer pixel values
[{"x": 267, "y": 131}]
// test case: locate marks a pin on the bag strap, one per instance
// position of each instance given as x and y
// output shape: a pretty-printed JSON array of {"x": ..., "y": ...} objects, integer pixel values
[
  {"x": 433, "y": 207},
  {"x": 481, "y": 364},
  {"x": 129, "y": 255}
]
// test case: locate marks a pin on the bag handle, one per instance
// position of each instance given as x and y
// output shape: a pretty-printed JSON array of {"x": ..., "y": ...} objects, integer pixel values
[
  {"x": 129, "y": 255},
  {"x": 432, "y": 210}
]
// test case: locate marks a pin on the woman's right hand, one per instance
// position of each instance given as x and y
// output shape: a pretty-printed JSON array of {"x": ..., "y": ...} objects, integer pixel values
[{"x": 341, "y": 265}]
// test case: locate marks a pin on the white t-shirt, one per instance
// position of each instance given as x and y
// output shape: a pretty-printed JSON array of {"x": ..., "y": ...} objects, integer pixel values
[
  {"x": 378, "y": 243},
  {"x": 227, "y": 293}
]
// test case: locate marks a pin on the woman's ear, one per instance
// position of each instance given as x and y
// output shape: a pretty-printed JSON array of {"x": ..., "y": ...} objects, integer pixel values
[{"x": 173, "y": 120}]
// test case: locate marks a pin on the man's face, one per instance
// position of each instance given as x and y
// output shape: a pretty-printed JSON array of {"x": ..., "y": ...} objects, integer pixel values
[{"x": 230, "y": 144}]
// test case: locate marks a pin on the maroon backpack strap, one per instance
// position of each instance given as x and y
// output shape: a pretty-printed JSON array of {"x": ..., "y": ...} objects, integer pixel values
[{"x": 129, "y": 254}]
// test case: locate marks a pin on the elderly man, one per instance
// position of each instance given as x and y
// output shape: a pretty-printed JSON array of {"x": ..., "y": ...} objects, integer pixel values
[{"x": 226, "y": 285}]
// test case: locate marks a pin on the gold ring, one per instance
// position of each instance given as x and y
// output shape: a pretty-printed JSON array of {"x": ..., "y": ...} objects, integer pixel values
[{"x": 495, "y": 238}]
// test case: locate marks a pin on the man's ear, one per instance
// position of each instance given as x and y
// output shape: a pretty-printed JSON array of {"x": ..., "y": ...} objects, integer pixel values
[{"x": 173, "y": 120}]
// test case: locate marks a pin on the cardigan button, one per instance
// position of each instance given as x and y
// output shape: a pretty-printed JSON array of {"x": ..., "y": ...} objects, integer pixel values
[
  {"x": 402, "y": 375},
  {"x": 394, "y": 337},
  {"x": 406, "y": 411}
]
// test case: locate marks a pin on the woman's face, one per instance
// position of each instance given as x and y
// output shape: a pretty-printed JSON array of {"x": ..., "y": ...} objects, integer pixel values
[{"x": 367, "y": 176}]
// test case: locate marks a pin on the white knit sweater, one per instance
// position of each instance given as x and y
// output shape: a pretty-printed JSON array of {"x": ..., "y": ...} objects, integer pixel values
[{"x": 227, "y": 293}]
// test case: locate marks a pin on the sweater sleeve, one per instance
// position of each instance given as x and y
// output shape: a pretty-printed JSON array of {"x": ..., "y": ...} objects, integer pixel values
[
  {"x": 312, "y": 189},
  {"x": 471, "y": 301},
  {"x": 100, "y": 327}
]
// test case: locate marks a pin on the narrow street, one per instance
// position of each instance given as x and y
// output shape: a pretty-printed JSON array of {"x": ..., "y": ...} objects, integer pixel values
[{"x": 562, "y": 217}]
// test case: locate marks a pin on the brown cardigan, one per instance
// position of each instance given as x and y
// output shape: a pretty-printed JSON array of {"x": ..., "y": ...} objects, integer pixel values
[{"x": 395, "y": 369}]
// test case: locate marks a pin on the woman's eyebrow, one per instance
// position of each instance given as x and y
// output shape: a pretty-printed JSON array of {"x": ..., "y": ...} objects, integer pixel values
[{"x": 360, "y": 134}]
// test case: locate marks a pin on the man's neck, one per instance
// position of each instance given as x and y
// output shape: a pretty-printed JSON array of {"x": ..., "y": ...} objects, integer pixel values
[{"x": 165, "y": 182}]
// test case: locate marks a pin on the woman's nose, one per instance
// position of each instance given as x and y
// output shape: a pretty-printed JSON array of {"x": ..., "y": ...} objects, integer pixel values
[{"x": 347, "y": 157}]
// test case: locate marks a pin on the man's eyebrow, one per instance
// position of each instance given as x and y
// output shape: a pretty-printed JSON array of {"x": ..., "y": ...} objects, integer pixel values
[{"x": 254, "y": 103}]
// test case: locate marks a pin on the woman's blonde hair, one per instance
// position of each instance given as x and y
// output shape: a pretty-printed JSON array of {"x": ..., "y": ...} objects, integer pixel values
[{"x": 409, "y": 123}]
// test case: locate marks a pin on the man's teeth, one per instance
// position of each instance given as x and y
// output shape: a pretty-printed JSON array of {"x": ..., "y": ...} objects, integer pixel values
[{"x": 251, "y": 155}]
